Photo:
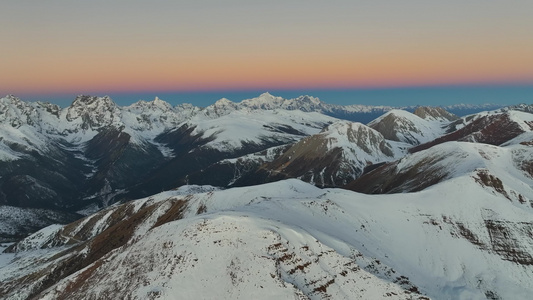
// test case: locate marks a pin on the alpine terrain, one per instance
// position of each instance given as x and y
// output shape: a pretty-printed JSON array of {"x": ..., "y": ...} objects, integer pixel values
[{"x": 267, "y": 198}]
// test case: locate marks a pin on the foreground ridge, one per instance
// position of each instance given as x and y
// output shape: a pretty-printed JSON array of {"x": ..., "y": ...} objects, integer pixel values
[{"x": 285, "y": 239}]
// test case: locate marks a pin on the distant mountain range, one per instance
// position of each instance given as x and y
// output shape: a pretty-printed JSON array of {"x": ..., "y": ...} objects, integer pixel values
[{"x": 243, "y": 200}]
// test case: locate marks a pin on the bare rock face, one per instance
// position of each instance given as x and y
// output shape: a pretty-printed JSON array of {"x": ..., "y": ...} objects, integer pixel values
[
  {"x": 330, "y": 158},
  {"x": 434, "y": 113},
  {"x": 92, "y": 112},
  {"x": 423, "y": 169},
  {"x": 494, "y": 129}
]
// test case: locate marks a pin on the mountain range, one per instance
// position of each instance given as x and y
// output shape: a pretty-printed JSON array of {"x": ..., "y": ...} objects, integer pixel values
[{"x": 265, "y": 198}]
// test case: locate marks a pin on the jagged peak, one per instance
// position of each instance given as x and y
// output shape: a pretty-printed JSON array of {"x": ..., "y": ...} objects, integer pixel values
[
  {"x": 14, "y": 101},
  {"x": 161, "y": 103},
  {"x": 94, "y": 111},
  {"x": 87, "y": 100},
  {"x": 16, "y": 112},
  {"x": 224, "y": 102},
  {"x": 12, "y": 97},
  {"x": 157, "y": 102},
  {"x": 307, "y": 98}
]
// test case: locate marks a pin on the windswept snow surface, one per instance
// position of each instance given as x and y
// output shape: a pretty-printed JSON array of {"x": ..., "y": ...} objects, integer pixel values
[
  {"x": 240, "y": 127},
  {"x": 290, "y": 239}
]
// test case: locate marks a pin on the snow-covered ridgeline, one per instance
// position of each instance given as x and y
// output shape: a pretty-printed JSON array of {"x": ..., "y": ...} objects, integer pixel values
[{"x": 290, "y": 238}]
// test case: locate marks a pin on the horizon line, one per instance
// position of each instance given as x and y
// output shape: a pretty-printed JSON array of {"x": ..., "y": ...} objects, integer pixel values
[{"x": 280, "y": 89}]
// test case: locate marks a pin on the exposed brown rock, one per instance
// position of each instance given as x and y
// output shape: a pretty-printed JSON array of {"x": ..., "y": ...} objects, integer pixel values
[
  {"x": 492, "y": 129},
  {"x": 427, "y": 112}
]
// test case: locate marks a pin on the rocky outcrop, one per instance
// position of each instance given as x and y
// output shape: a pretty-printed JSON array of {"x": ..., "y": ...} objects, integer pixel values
[
  {"x": 331, "y": 158},
  {"x": 494, "y": 129},
  {"x": 434, "y": 113}
]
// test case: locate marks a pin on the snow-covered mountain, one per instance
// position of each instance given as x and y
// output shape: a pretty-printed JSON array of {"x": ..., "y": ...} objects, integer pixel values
[
  {"x": 505, "y": 170},
  {"x": 403, "y": 126},
  {"x": 495, "y": 128},
  {"x": 266, "y": 101},
  {"x": 110, "y": 147},
  {"x": 240, "y": 128},
  {"x": 94, "y": 152},
  {"x": 456, "y": 240},
  {"x": 333, "y": 157},
  {"x": 454, "y": 221}
]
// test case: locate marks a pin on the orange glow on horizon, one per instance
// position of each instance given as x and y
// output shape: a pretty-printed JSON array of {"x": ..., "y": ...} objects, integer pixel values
[
  {"x": 268, "y": 73},
  {"x": 264, "y": 67},
  {"x": 88, "y": 47}
]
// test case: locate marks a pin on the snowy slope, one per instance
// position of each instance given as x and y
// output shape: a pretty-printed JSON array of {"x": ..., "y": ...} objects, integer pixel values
[
  {"x": 16, "y": 223},
  {"x": 24, "y": 127},
  {"x": 403, "y": 126},
  {"x": 503, "y": 170},
  {"x": 233, "y": 130},
  {"x": 93, "y": 152},
  {"x": 333, "y": 157},
  {"x": 456, "y": 240},
  {"x": 494, "y": 127}
]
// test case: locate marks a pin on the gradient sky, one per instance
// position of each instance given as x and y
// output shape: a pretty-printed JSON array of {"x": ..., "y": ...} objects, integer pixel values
[{"x": 60, "y": 47}]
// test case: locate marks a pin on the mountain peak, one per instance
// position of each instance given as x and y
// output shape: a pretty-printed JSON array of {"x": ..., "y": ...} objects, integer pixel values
[
  {"x": 264, "y": 101},
  {"x": 157, "y": 102},
  {"x": 309, "y": 99},
  {"x": 265, "y": 95},
  {"x": 223, "y": 102},
  {"x": 16, "y": 112},
  {"x": 434, "y": 113},
  {"x": 92, "y": 101},
  {"x": 93, "y": 111},
  {"x": 403, "y": 126},
  {"x": 366, "y": 138},
  {"x": 12, "y": 98}
]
